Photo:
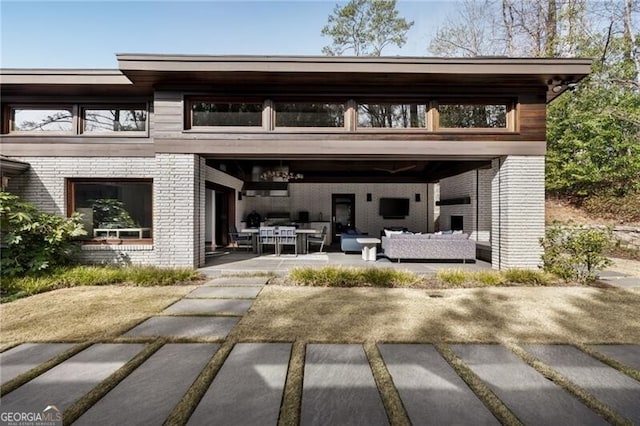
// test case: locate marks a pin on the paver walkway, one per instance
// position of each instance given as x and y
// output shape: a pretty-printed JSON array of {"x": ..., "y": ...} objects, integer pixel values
[{"x": 338, "y": 384}]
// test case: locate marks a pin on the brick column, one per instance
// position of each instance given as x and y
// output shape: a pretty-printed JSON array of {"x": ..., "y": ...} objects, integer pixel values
[
  {"x": 178, "y": 201},
  {"x": 517, "y": 220}
]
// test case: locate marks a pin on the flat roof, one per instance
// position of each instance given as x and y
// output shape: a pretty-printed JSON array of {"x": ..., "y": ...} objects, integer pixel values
[
  {"x": 361, "y": 64},
  {"x": 139, "y": 73}
]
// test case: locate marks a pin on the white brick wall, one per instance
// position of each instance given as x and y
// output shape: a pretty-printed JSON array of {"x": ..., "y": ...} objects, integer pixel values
[
  {"x": 44, "y": 185},
  {"x": 518, "y": 211},
  {"x": 178, "y": 194},
  {"x": 179, "y": 207},
  {"x": 476, "y": 185}
]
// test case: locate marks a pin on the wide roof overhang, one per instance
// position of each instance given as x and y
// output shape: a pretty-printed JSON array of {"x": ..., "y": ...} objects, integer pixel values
[{"x": 500, "y": 74}]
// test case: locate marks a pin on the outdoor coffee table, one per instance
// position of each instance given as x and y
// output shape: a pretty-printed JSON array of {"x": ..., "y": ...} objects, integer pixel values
[{"x": 369, "y": 248}]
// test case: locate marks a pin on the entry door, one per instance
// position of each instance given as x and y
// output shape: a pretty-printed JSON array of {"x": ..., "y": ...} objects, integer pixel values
[{"x": 343, "y": 214}]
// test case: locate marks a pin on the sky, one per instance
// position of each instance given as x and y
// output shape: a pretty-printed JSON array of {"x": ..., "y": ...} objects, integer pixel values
[{"x": 88, "y": 34}]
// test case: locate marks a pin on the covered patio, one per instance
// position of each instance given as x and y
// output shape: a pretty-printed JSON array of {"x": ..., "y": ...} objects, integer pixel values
[{"x": 228, "y": 262}]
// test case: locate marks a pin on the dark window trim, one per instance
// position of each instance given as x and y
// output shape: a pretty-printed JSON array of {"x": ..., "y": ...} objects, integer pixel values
[
  {"x": 113, "y": 105},
  {"x": 112, "y": 241},
  {"x": 77, "y": 111}
]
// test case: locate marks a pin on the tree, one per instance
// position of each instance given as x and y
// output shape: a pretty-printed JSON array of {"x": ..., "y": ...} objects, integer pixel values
[{"x": 365, "y": 27}]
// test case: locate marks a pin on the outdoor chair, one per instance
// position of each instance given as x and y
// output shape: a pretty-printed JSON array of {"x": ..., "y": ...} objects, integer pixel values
[
  {"x": 267, "y": 237},
  {"x": 317, "y": 239},
  {"x": 287, "y": 237},
  {"x": 239, "y": 240}
]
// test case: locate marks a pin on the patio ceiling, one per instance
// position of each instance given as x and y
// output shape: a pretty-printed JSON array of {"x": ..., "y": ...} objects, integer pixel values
[{"x": 357, "y": 171}]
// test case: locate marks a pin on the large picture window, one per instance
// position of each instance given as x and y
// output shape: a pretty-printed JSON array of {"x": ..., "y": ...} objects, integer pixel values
[
  {"x": 114, "y": 119},
  {"x": 42, "y": 119},
  {"x": 309, "y": 115},
  {"x": 472, "y": 116},
  {"x": 113, "y": 209},
  {"x": 214, "y": 114},
  {"x": 393, "y": 116}
]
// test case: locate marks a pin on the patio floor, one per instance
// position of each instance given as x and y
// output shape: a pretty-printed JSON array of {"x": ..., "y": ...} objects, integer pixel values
[{"x": 236, "y": 262}]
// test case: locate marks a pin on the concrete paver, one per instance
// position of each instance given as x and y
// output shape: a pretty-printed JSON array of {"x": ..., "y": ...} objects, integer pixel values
[
  {"x": 339, "y": 387},
  {"x": 22, "y": 358},
  {"x": 608, "y": 385},
  {"x": 209, "y": 306},
  {"x": 629, "y": 355},
  {"x": 623, "y": 282},
  {"x": 528, "y": 394},
  {"x": 248, "y": 388},
  {"x": 185, "y": 326},
  {"x": 430, "y": 389},
  {"x": 237, "y": 281},
  {"x": 67, "y": 382},
  {"x": 224, "y": 292},
  {"x": 153, "y": 389}
]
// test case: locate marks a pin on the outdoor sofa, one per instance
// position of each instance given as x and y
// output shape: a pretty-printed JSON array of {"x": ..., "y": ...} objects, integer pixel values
[{"x": 429, "y": 247}]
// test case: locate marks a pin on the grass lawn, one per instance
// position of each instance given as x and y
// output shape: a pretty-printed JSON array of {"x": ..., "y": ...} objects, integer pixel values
[
  {"x": 522, "y": 314},
  {"x": 83, "y": 313}
]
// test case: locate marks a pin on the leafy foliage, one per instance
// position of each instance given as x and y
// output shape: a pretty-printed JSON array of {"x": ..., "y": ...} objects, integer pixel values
[
  {"x": 365, "y": 28},
  {"x": 575, "y": 253},
  {"x": 109, "y": 212},
  {"x": 594, "y": 142},
  {"x": 33, "y": 241}
]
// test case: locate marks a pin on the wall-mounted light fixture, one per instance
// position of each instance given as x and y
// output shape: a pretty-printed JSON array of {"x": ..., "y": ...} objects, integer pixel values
[
  {"x": 369, "y": 198},
  {"x": 239, "y": 196},
  {"x": 418, "y": 198},
  {"x": 557, "y": 84}
]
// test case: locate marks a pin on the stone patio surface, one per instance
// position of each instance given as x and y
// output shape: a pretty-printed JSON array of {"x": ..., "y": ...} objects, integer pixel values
[
  {"x": 615, "y": 389},
  {"x": 224, "y": 292},
  {"x": 184, "y": 327},
  {"x": 248, "y": 389},
  {"x": 338, "y": 384},
  {"x": 209, "y": 306},
  {"x": 430, "y": 389},
  {"x": 22, "y": 358},
  {"x": 153, "y": 389}
]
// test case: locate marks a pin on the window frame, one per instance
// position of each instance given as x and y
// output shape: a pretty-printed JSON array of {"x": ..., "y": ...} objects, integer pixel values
[
  {"x": 189, "y": 100},
  {"x": 510, "y": 119},
  {"x": 73, "y": 108},
  {"x": 428, "y": 118},
  {"x": 117, "y": 105},
  {"x": 89, "y": 239},
  {"x": 346, "y": 115}
]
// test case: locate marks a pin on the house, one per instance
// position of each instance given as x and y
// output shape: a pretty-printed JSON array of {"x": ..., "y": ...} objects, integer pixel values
[{"x": 164, "y": 153}]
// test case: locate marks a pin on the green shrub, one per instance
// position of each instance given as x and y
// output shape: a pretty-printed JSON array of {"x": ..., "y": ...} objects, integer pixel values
[
  {"x": 332, "y": 276},
  {"x": 63, "y": 277},
  {"x": 489, "y": 278},
  {"x": 575, "y": 253},
  {"x": 527, "y": 276},
  {"x": 454, "y": 277},
  {"x": 33, "y": 241}
]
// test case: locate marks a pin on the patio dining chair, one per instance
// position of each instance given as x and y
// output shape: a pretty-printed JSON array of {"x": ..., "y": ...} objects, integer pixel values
[
  {"x": 267, "y": 237},
  {"x": 239, "y": 240},
  {"x": 287, "y": 237},
  {"x": 317, "y": 239}
]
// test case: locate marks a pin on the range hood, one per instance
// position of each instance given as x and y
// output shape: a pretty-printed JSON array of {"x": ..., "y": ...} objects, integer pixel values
[
  {"x": 265, "y": 182},
  {"x": 266, "y": 189}
]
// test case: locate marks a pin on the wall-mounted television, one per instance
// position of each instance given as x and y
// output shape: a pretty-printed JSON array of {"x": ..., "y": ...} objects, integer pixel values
[{"x": 394, "y": 208}]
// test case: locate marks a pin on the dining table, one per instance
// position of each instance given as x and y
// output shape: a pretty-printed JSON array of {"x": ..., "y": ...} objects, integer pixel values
[{"x": 302, "y": 232}]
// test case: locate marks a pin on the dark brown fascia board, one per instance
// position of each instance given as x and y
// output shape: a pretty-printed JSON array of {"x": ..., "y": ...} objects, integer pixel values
[
  {"x": 63, "y": 76},
  {"x": 382, "y": 64},
  {"x": 11, "y": 167}
]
